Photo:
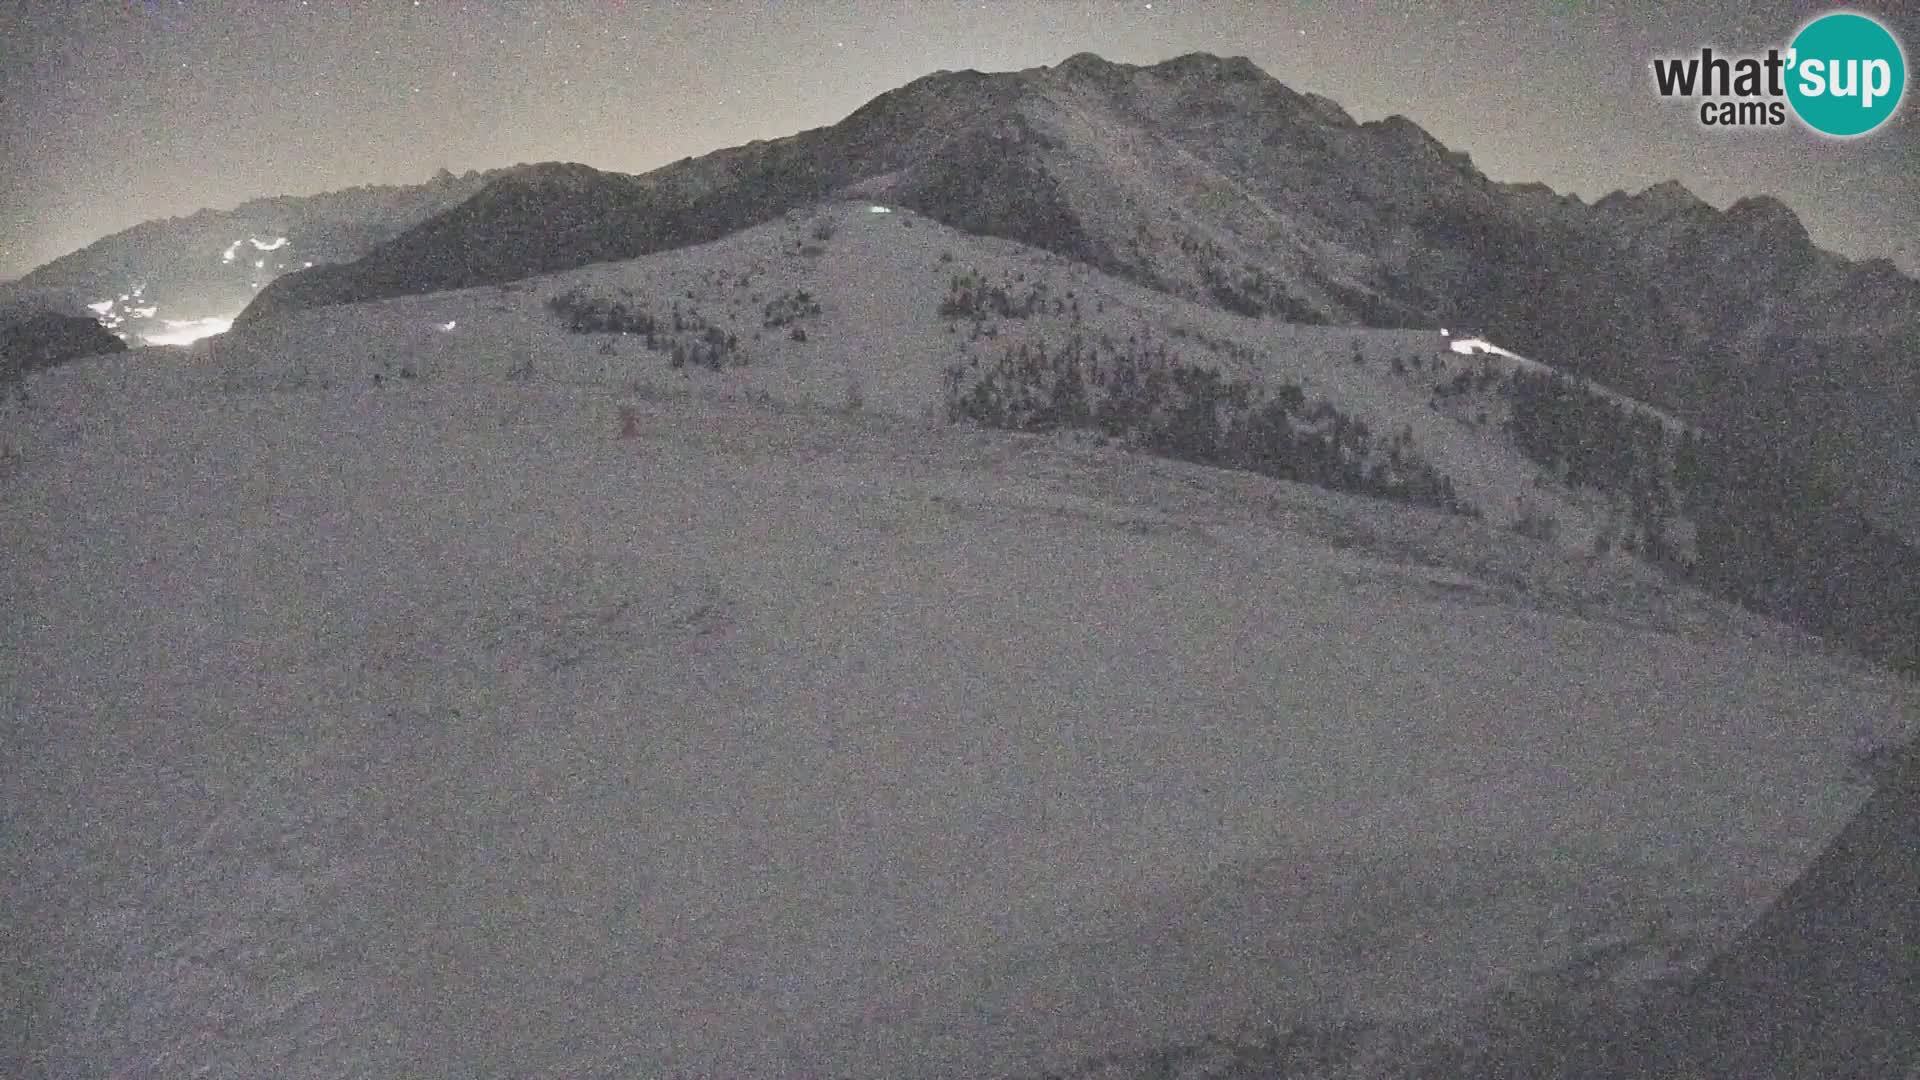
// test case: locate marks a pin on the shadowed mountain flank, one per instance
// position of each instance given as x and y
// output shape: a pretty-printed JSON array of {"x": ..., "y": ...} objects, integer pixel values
[
  {"x": 31, "y": 339},
  {"x": 1825, "y": 984}
]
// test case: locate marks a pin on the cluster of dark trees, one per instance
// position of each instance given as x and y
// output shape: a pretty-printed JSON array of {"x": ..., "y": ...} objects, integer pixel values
[
  {"x": 1590, "y": 440},
  {"x": 1254, "y": 292},
  {"x": 1250, "y": 291},
  {"x": 584, "y": 314},
  {"x": 970, "y": 297},
  {"x": 685, "y": 337},
  {"x": 1770, "y": 533},
  {"x": 1775, "y": 537},
  {"x": 1151, "y": 399}
]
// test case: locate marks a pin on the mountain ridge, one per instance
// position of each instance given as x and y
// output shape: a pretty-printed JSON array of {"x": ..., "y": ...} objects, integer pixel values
[
  {"x": 201, "y": 265},
  {"x": 1200, "y": 81},
  {"x": 1209, "y": 179}
]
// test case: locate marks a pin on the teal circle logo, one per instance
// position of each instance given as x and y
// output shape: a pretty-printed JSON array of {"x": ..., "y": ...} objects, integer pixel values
[{"x": 1846, "y": 74}]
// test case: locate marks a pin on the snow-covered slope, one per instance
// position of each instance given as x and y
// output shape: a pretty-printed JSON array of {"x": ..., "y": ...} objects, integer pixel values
[
  {"x": 878, "y": 280},
  {"x": 1207, "y": 178},
  {"x": 432, "y": 728},
  {"x": 885, "y": 329}
]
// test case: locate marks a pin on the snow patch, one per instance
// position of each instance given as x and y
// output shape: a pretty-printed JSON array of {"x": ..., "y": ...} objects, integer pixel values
[{"x": 1469, "y": 346}]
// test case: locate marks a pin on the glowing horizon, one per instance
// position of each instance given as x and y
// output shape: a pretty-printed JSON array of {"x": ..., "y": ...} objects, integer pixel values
[{"x": 188, "y": 331}]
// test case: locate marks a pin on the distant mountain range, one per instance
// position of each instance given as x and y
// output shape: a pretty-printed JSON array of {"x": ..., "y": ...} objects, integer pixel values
[
  {"x": 1206, "y": 178},
  {"x": 163, "y": 279}
]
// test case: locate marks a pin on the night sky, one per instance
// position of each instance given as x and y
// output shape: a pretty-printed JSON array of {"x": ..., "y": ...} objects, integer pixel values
[{"x": 113, "y": 113}]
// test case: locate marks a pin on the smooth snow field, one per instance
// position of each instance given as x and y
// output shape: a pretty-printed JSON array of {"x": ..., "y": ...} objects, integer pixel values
[{"x": 434, "y": 731}]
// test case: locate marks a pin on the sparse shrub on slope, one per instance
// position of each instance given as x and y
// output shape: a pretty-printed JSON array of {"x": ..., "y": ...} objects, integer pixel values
[
  {"x": 790, "y": 307},
  {"x": 1153, "y": 401},
  {"x": 1536, "y": 523},
  {"x": 1465, "y": 382}
]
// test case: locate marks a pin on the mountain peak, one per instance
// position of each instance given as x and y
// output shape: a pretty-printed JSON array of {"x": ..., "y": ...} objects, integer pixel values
[
  {"x": 1401, "y": 132},
  {"x": 1761, "y": 208},
  {"x": 1092, "y": 69},
  {"x": 1668, "y": 198},
  {"x": 1086, "y": 61},
  {"x": 1671, "y": 196},
  {"x": 1538, "y": 193},
  {"x": 1189, "y": 66},
  {"x": 550, "y": 171},
  {"x": 1324, "y": 109},
  {"x": 1207, "y": 65},
  {"x": 1769, "y": 216}
]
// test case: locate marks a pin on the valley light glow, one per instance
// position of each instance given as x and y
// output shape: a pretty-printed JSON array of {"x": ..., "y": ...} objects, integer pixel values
[{"x": 187, "y": 331}]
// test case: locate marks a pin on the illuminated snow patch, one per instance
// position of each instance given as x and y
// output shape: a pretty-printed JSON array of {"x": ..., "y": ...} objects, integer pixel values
[
  {"x": 233, "y": 249},
  {"x": 259, "y": 264},
  {"x": 144, "y": 312},
  {"x": 449, "y": 324},
  {"x": 878, "y": 210},
  {"x": 101, "y": 308},
  {"x": 1469, "y": 346},
  {"x": 186, "y": 331},
  {"x": 303, "y": 266}
]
